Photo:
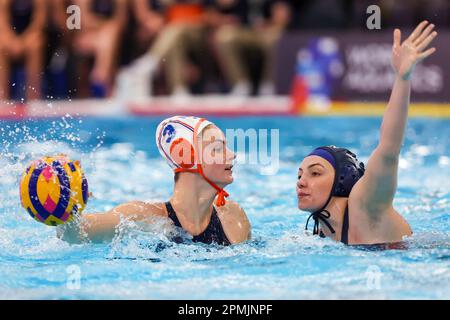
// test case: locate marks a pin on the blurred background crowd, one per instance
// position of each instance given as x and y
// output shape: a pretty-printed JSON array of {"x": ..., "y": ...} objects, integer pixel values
[{"x": 142, "y": 48}]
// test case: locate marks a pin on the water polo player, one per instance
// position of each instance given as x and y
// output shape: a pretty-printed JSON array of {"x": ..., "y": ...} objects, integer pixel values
[
  {"x": 196, "y": 150},
  {"x": 348, "y": 202}
]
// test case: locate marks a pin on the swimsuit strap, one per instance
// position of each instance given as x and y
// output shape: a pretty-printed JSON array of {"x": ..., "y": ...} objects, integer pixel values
[
  {"x": 213, "y": 233},
  {"x": 345, "y": 226}
]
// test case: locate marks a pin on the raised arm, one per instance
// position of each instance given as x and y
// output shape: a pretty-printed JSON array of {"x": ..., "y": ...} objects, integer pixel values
[
  {"x": 375, "y": 191},
  {"x": 100, "y": 227}
]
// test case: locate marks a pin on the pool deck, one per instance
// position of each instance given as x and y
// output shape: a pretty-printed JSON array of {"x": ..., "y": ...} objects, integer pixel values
[{"x": 214, "y": 105}]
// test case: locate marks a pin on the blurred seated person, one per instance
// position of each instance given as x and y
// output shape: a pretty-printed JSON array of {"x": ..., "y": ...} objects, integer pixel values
[
  {"x": 149, "y": 21},
  {"x": 60, "y": 65},
  {"x": 22, "y": 39},
  {"x": 178, "y": 30},
  {"x": 233, "y": 35},
  {"x": 102, "y": 25}
]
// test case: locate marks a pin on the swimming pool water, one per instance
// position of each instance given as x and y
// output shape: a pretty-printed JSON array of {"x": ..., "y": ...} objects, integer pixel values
[{"x": 280, "y": 262}]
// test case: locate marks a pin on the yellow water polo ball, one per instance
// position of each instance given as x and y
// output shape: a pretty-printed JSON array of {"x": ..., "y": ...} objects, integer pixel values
[{"x": 53, "y": 189}]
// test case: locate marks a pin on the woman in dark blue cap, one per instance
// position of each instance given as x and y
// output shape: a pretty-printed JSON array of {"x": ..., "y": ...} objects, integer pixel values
[{"x": 351, "y": 203}]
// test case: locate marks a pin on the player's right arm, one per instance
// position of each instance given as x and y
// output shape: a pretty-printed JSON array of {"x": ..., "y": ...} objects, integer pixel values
[{"x": 101, "y": 227}]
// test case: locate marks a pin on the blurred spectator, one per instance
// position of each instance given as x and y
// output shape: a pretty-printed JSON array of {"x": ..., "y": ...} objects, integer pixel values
[
  {"x": 22, "y": 38},
  {"x": 102, "y": 25},
  {"x": 181, "y": 37},
  {"x": 233, "y": 35},
  {"x": 60, "y": 64},
  {"x": 180, "y": 30},
  {"x": 149, "y": 20}
]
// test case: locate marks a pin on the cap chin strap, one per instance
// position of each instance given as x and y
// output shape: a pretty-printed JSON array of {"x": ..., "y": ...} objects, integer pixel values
[
  {"x": 321, "y": 215},
  {"x": 221, "y": 194}
]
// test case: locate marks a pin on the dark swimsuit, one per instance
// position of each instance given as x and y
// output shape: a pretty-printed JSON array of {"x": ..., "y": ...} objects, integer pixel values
[
  {"x": 213, "y": 232},
  {"x": 345, "y": 225}
]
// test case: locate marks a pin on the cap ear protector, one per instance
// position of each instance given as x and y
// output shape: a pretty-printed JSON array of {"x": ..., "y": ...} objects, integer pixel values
[
  {"x": 182, "y": 153},
  {"x": 177, "y": 141},
  {"x": 347, "y": 171}
]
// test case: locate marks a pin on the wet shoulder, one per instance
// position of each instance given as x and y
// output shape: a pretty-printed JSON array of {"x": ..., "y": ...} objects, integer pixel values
[{"x": 234, "y": 221}]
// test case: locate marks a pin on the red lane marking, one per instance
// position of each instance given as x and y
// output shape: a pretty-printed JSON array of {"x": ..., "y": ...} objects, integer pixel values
[
  {"x": 13, "y": 111},
  {"x": 21, "y": 111},
  {"x": 241, "y": 110}
]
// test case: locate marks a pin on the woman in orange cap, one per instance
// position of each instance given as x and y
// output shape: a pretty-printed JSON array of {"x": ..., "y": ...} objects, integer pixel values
[{"x": 196, "y": 149}]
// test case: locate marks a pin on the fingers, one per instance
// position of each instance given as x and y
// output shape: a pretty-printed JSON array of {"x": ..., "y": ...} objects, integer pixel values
[
  {"x": 424, "y": 34},
  {"x": 397, "y": 38},
  {"x": 427, "y": 41},
  {"x": 416, "y": 33},
  {"x": 427, "y": 53}
]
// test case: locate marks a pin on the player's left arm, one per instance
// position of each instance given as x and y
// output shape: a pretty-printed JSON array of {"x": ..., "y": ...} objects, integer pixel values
[{"x": 376, "y": 189}]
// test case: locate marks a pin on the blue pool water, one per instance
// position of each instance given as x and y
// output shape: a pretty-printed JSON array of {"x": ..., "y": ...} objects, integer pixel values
[{"x": 281, "y": 262}]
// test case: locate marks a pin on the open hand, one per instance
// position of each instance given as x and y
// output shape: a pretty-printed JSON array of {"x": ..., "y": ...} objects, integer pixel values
[{"x": 406, "y": 55}]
